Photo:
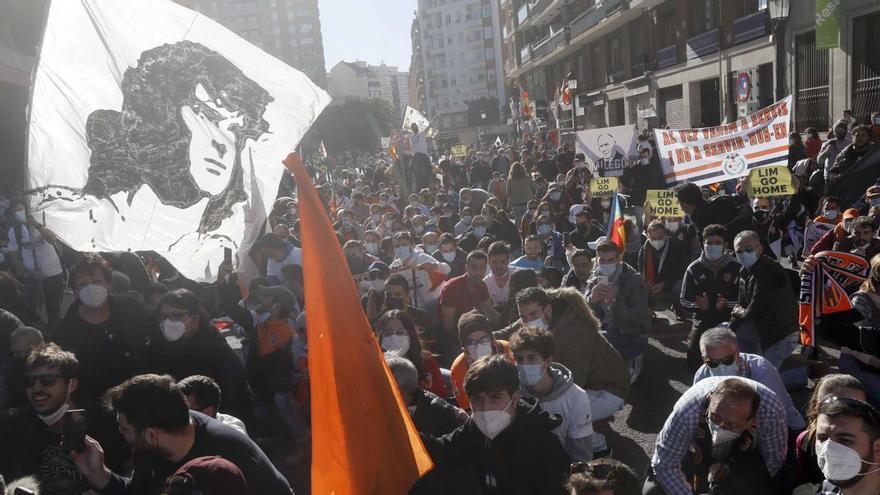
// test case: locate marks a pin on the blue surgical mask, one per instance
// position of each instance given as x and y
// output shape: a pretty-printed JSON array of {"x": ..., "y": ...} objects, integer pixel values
[
  {"x": 543, "y": 229},
  {"x": 747, "y": 258},
  {"x": 875, "y": 201},
  {"x": 479, "y": 231},
  {"x": 530, "y": 374},
  {"x": 714, "y": 251},
  {"x": 607, "y": 269},
  {"x": 402, "y": 252}
]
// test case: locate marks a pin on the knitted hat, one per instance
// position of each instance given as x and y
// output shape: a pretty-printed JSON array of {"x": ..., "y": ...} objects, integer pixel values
[{"x": 471, "y": 322}]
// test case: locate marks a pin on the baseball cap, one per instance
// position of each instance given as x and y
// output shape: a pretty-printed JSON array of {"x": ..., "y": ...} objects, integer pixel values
[
  {"x": 211, "y": 475},
  {"x": 280, "y": 294},
  {"x": 873, "y": 192}
]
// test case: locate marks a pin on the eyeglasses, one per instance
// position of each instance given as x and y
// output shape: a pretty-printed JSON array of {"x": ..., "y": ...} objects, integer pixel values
[
  {"x": 46, "y": 380},
  {"x": 862, "y": 409},
  {"x": 726, "y": 361},
  {"x": 601, "y": 472}
]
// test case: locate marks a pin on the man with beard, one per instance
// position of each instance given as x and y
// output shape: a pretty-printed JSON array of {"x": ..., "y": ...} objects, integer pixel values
[
  {"x": 848, "y": 447},
  {"x": 155, "y": 419},
  {"x": 51, "y": 376}
]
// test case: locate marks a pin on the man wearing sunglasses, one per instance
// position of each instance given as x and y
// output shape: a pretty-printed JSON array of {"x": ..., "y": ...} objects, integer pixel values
[
  {"x": 725, "y": 435},
  {"x": 721, "y": 357},
  {"x": 33, "y": 441},
  {"x": 765, "y": 318},
  {"x": 848, "y": 447}
]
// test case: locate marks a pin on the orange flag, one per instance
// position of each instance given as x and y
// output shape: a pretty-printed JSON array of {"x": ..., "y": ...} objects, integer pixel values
[{"x": 363, "y": 440}]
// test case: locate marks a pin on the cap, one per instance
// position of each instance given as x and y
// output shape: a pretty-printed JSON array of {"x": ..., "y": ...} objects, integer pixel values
[
  {"x": 280, "y": 294},
  {"x": 471, "y": 322},
  {"x": 212, "y": 475},
  {"x": 873, "y": 192},
  {"x": 576, "y": 210},
  {"x": 594, "y": 245},
  {"x": 378, "y": 266},
  {"x": 554, "y": 186}
]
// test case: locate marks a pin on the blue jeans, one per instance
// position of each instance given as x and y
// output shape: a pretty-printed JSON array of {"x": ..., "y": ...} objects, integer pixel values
[{"x": 870, "y": 377}]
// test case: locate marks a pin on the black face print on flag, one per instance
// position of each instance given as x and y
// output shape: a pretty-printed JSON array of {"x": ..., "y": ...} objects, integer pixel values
[{"x": 186, "y": 115}]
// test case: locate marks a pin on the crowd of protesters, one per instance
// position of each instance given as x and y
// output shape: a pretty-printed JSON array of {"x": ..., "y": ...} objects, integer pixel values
[{"x": 511, "y": 322}]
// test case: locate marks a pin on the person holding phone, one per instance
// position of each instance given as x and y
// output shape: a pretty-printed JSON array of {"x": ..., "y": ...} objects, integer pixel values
[{"x": 45, "y": 433}]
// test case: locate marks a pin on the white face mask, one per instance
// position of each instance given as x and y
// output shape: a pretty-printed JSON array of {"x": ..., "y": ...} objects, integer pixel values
[
  {"x": 714, "y": 251},
  {"x": 530, "y": 374},
  {"x": 838, "y": 462},
  {"x": 607, "y": 269},
  {"x": 377, "y": 285},
  {"x": 480, "y": 350},
  {"x": 372, "y": 247},
  {"x": 431, "y": 248},
  {"x": 491, "y": 423},
  {"x": 93, "y": 295},
  {"x": 479, "y": 231},
  {"x": 467, "y": 219},
  {"x": 672, "y": 227},
  {"x": 396, "y": 343},
  {"x": 54, "y": 417},
  {"x": 721, "y": 435},
  {"x": 402, "y": 252},
  {"x": 449, "y": 256},
  {"x": 658, "y": 244},
  {"x": 21, "y": 216},
  {"x": 543, "y": 229},
  {"x": 538, "y": 323},
  {"x": 605, "y": 203},
  {"x": 173, "y": 330}
]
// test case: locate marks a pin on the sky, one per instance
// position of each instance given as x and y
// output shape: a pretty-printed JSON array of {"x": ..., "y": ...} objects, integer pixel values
[{"x": 369, "y": 30}]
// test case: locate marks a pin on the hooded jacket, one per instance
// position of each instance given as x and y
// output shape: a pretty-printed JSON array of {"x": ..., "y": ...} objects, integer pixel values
[
  {"x": 572, "y": 405},
  {"x": 526, "y": 458},
  {"x": 593, "y": 361}
]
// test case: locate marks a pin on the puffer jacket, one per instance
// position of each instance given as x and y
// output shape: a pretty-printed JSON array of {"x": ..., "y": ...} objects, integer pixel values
[
  {"x": 526, "y": 458},
  {"x": 766, "y": 293},
  {"x": 579, "y": 346}
]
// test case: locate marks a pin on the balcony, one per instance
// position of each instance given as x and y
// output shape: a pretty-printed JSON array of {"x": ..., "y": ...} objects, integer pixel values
[
  {"x": 667, "y": 57},
  {"x": 750, "y": 27},
  {"x": 587, "y": 20},
  {"x": 546, "y": 46},
  {"x": 704, "y": 43},
  {"x": 522, "y": 14}
]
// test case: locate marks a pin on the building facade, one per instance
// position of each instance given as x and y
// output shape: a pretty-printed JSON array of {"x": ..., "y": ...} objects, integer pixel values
[
  {"x": 361, "y": 80},
  {"x": 290, "y": 30},
  {"x": 687, "y": 63},
  {"x": 455, "y": 59}
]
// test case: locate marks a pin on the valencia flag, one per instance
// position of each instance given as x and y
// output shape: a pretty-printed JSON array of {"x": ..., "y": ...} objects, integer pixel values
[
  {"x": 616, "y": 229},
  {"x": 360, "y": 426}
]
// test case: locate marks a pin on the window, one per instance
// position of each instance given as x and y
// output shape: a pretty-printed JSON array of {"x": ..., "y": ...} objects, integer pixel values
[
  {"x": 274, "y": 16},
  {"x": 276, "y": 30},
  {"x": 749, "y": 7},
  {"x": 491, "y": 75},
  {"x": 277, "y": 44},
  {"x": 667, "y": 28},
  {"x": 487, "y": 33},
  {"x": 615, "y": 59},
  {"x": 487, "y": 11},
  {"x": 704, "y": 16},
  {"x": 306, "y": 41},
  {"x": 305, "y": 28}
]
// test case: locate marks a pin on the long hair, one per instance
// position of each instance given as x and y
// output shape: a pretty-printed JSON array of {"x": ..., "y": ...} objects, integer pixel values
[
  {"x": 517, "y": 171},
  {"x": 147, "y": 142},
  {"x": 416, "y": 352},
  {"x": 872, "y": 283}
]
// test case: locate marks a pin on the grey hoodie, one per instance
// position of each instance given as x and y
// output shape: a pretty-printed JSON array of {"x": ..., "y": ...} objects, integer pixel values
[{"x": 572, "y": 404}]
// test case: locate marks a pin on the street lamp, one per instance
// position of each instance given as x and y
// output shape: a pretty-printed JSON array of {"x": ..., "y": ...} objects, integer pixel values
[
  {"x": 778, "y": 12},
  {"x": 572, "y": 91}
]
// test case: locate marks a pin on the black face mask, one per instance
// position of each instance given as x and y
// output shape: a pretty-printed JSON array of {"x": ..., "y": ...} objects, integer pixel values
[{"x": 760, "y": 215}]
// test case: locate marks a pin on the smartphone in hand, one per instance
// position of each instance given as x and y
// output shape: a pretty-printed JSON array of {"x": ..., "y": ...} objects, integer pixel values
[{"x": 73, "y": 431}]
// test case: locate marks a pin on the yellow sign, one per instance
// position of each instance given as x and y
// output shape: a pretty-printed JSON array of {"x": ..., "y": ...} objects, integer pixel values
[
  {"x": 603, "y": 186},
  {"x": 774, "y": 180},
  {"x": 459, "y": 150},
  {"x": 663, "y": 203}
]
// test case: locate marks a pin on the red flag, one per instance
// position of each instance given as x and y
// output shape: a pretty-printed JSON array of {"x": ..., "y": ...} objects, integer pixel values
[{"x": 363, "y": 440}]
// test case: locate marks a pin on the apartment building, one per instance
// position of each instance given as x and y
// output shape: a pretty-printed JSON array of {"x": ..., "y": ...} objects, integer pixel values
[
  {"x": 290, "y": 30},
  {"x": 358, "y": 79}
]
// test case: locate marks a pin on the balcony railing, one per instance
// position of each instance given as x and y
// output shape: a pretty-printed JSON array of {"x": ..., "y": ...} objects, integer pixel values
[
  {"x": 750, "y": 27},
  {"x": 546, "y": 46},
  {"x": 587, "y": 20},
  {"x": 539, "y": 6},
  {"x": 704, "y": 43},
  {"x": 667, "y": 56},
  {"x": 522, "y": 14}
]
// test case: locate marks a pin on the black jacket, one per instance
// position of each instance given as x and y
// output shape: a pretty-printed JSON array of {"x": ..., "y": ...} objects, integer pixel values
[
  {"x": 669, "y": 263},
  {"x": 206, "y": 353},
  {"x": 112, "y": 352},
  {"x": 701, "y": 278},
  {"x": 722, "y": 210},
  {"x": 766, "y": 293},
  {"x": 524, "y": 459}
]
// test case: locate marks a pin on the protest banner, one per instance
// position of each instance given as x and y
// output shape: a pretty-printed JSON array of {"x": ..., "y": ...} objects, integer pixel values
[
  {"x": 663, "y": 203},
  {"x": 714, "y": 154},
  {"x": 603, "y": 186},
  {"x": 774, "y": 180},
  {"x": 608, "y": 150},
  {"x": 413, "y": 116},
  {"x": 459, "y": 150},
  {"x": 814, "y": 231},
  {"x": 166, "y": 135}
]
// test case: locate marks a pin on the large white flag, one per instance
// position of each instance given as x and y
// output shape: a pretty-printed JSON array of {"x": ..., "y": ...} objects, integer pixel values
[
  {"x": 152, "y": 127},
  {"x": 413, "y": 116}
]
